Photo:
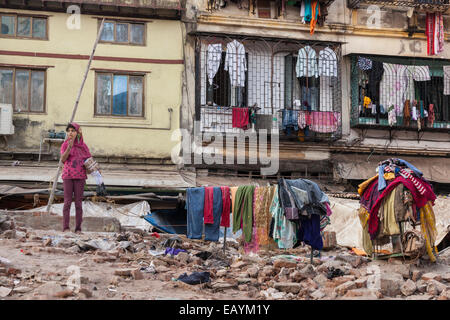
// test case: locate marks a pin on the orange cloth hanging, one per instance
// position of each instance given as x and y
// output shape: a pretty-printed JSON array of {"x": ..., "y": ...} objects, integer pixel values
[{"x": 315, "y": 8}]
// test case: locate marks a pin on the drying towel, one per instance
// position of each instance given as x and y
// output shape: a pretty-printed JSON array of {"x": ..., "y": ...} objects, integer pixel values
[
  {"x": 240, "y": 118},
  {"x": 226, "y": 203},
  {"x": 208, "y": 205},
  {"x": 233, "y": 191},
  {"x": 194, "y": 205},
  {"x": 212, "y": 230},
  {"x": 243, "y": 211},
  {"x": 324, "y": 122}
]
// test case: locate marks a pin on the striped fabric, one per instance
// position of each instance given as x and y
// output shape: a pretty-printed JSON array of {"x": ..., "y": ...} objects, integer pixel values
[
  {"x": 407, "y": 175},
  {"x": 419, "y": 186}
]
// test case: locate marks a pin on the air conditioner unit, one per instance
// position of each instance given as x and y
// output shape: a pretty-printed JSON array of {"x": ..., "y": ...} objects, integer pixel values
[{"x": 6, "y": 119}]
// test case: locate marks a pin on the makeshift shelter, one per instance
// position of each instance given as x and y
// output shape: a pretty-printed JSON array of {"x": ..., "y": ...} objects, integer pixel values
[{"x": 393, "y": 203}]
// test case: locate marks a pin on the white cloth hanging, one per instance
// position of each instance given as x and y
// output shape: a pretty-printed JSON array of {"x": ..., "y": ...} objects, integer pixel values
[
  {"x": 447, "y": 80},
  {"x": 393, "y": 85},
  {"x": 236, "y": 63},
  {"x": 213, "y": 60}
]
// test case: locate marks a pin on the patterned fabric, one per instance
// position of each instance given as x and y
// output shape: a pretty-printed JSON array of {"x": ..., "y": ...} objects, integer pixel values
[
  {"x": 284, "y": 231},
  {"x": 325, "y": 122},
  {"x": 304, "y": 119},
  {"x": 420, "y": 187},
  {"x": 364, "y": 63},
  {"x": 74, "y": 164},
  {"x": 393, "y": 85}
]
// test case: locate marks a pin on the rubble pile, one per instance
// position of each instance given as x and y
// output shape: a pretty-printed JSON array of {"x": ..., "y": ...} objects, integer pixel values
[{"x": 205, "y": 268}]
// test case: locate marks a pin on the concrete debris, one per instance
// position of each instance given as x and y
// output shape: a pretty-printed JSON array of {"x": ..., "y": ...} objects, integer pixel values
[{"x": 130, "y": 263}]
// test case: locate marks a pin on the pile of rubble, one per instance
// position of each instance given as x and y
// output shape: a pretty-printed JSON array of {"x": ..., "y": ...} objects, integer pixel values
[{"x": 132, "y": 258}]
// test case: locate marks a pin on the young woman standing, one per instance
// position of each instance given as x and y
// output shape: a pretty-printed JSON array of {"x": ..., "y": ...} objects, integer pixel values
[{"x": 73, "y": 154}]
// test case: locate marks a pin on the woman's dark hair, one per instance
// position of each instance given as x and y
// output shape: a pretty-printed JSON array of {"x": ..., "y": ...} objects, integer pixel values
[{"x": 70, "y": 126}]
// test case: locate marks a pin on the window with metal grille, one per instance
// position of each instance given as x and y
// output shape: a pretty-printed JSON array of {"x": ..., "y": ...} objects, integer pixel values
[
  {"x": 400, "y": 92},
  {"x": 272, "y": 78}
]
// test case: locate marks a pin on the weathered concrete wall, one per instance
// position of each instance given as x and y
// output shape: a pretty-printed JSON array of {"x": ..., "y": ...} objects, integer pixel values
[
  {"x": 161, "y": 58},
  {"x": 45, "y": 221}
]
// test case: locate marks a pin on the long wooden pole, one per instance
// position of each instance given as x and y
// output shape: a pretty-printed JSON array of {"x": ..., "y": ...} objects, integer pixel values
[{"x": 55, "y": 181}]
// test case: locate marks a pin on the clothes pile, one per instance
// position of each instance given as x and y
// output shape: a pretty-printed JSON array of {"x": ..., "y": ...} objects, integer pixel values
[
  {"x": 286, "y": 214},
  {"x": 397, "y": 195}
]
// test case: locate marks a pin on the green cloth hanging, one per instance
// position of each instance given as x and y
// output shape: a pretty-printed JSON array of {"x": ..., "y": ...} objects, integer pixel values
[{"x": 243, "y": 211}]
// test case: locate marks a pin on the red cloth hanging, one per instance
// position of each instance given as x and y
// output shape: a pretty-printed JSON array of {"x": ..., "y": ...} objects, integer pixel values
[
  {"x": 208, "y": 205},
  {"x": 429, "y": 30},
  {"x": 226, "y": 207},
  {"x": 240, "y": 118}
]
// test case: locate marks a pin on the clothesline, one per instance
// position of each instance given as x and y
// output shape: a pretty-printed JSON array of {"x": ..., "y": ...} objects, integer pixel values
[{"x": 289, "y": 212}]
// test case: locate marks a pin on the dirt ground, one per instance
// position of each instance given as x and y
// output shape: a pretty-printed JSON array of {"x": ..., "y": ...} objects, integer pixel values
[{"x": 38, "y": 265}]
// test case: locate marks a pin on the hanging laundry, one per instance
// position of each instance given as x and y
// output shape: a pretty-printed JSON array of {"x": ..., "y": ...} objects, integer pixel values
[
  {"x": 243, "y": 211},
  {"x": 375, "y": 76},
  {"x": 290, "y": 119},
  {"x": 284, "y": 230},
  {"x": 240, "y": 118},
  {"x": 364, "y": 63},
  {"x": 253, "y": 246},
  {"x": 302, "y": 11},
  {"x": 236, "y": 63},
  {"x": 414, "y": 111},
  {"x": 324, "y": 122},
  {"x": 446, "y": 80},
  {"x": 434, "y": 31},
  {"x": 226, "y": 207},
  {"x": 419, "y": 73},
  {"x": 195, "y": 198},
  {"x": 208, "y": 217},
  {"x": 212, "y": 230},
  {"x": 308, "y": 11},
  {"x": 263, "y": 200},
  {"x": 304, "y": 119},
  {"x": 315, "y": 13},
  {"x": 407, "y": 113},
  {"x": 393, "y": 85},
  {"x": 307, "y": 63},
  {"x": 367, "y": 102},
  {"x": 431, "y": 115},
  {"x": 213, "y": 60},
  {"x": 392, "y": 118}
]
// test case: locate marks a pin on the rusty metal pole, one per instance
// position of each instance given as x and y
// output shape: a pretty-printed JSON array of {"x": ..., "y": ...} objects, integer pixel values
[{"x": 55, "y": 180}]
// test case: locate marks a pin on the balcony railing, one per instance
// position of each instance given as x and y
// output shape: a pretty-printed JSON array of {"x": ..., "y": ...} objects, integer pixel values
[{"x": 287, "y": 87}]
